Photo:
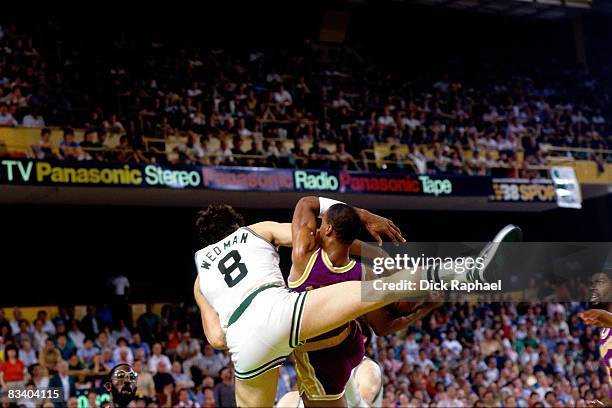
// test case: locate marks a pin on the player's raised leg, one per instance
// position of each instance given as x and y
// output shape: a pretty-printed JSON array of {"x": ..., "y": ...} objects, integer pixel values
[{"x": 331, "y": 306}]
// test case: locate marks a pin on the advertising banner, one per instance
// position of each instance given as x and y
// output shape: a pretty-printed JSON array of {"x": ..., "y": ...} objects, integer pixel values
[{"x": 94, "y": 174}]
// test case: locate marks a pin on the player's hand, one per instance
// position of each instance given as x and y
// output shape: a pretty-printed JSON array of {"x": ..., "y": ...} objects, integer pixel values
[
  {"x": 595, "y": 404},
  {"x": 598, "y": 317},
  {"x": 380, "y": 227}
]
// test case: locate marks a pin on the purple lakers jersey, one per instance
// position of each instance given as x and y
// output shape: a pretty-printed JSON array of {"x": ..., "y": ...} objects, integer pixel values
[
  {"x": 321, "y": 272},
  {"x": 324, "y": 363},
  {"x": 605, "y": 349}
]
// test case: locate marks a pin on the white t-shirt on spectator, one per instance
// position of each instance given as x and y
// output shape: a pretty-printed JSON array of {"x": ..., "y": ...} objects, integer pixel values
[
  {"x": 120, "y": 283},
  {"x": 31, "y": 121},
  {"x": 274, "y": 77},
  {"x": 154, "y": 361},
  {"x": 129, "y": 355},
  {"x": 7, "y": 119},
  {"x": 49, "y": 327},
  {"x": 505, "y": 145},
  {"x": 340, "y": 103},
  {"x": 516, "y": 128},
  {"x": 78, "y": 337},
  {"x": 283, "y": 97},
  {"x": 28, "y": 357},
  {"x": 453, "y": 345},
  {"x": 386, "y": 120},
  {"x": 412, "y": 123}
]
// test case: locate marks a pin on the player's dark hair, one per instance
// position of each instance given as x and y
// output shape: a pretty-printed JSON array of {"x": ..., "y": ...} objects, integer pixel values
[
  {"x": 217, "y": 222},
  {"x": 345, "y": 221}
]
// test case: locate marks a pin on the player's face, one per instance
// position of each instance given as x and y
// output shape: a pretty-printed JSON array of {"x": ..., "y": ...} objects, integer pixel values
[
  {"x": 600, "y": 288},
  {"x": 123, "y": 382}
]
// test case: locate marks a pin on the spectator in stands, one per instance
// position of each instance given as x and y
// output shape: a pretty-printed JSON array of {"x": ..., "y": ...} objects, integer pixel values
[
  {"x": 49, "y": 356},
  {"x": 344, "y": 159},
  {"x": 185, "y": 401},
  {"x": 38, "y": 376},
  {"x": 16, "y": 320},
  {"x": 162, "y": 377},
  {"x": 318, "y": 156},
  {"x": 27, "y": 354},
  {"x": 33, "y": 119},
  {"x": 112, "y": 126},
  {"x": 225, "y": 394},
  {"x": 121, "y": 331},
  {"x": 69, "y": 147},
  {"x": 39, "y": 336},
  {"x": 122, "y": 354},
  {"x": 145, "y": 386},
  {"x": 138, "y": 344},
  {"x": 107, "y": 358},
  {"x": 91, "y": 146},
  {"x": 75, "y": 334},
  {"x": 148, "y": 324},
  {"x": 188, "y": 348},
  {"x": 99, "y": 369},
  {"x": 48, "y": 325},
  {"x": 210, "y": 363},
  {"x": 12, "y": 370},
  {"x": 190, "y": 152},
  {"x": 282, "y": 96},
  {"x": 65, "y": 346},
  {"x": 23, "y": 334},
  {"x": 89, "y": 323},
  {"x": 181, "y": 379},
  {"x": 43, "y": 149},
  {"x": 102, "y": 342},
  {"x": 77, "y": 369},
  {"x": 6, "y": 118},
  {"x": 63, "y": 381},
  {"x": 87, "y": 353},
  {"x": 158, "y": 358}
]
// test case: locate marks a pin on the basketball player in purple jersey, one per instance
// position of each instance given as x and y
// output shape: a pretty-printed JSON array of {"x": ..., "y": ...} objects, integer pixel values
[
  {"x": 321, "y": 257},
  {"x": 601, "y": 294}
]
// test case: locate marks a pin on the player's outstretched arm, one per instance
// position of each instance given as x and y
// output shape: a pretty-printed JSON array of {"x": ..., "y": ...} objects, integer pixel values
[
  {"x": 210, "y": 319},
  {"x": 309, "y": 208},
  {"x": 598, "y": 317},
  {"x": 278, "y": 233}
]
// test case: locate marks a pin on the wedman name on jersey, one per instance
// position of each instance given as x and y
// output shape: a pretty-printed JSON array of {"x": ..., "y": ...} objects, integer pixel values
[{"x": 216, "y": 250}]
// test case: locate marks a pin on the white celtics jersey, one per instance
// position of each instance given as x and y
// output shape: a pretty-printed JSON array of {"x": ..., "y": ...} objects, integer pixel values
[{"x": 234, "y": 267}]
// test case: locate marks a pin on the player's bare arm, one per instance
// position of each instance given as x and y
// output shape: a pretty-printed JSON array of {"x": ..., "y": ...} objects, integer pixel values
[
  {"x": 304, "y": 226},
  {"x": 383, "y": 322},
  {"x": 210, "y": 319},
  {"x": 278, "y": 233},
  {"x": 598, "y": 317}
]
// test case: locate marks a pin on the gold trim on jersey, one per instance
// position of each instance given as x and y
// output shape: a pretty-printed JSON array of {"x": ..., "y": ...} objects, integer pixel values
[
  {"x": 336, "y": 269},
  {"x": 308, "y": 383},
  {"x": 306, "y": 273},
  {"x": 326, "y": 343}
]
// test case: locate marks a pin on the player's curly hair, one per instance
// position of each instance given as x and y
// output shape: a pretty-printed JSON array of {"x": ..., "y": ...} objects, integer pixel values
[{"x": 216, "y": 222}]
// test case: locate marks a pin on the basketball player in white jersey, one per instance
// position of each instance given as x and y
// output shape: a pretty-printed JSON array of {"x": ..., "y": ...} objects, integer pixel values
[{"x": 260, "y": 319}]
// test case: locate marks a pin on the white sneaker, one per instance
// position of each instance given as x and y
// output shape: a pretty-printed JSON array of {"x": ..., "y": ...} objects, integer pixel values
[{"x": 490, "y": 253}]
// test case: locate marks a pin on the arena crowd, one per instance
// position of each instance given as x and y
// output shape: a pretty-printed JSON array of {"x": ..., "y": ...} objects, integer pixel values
[
  {"x": 240, "y": 108},
  {"x": 481, "y": 355}
]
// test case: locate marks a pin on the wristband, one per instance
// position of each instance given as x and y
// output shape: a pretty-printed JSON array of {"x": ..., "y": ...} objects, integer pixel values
[{"x": 325, "y": 203}]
